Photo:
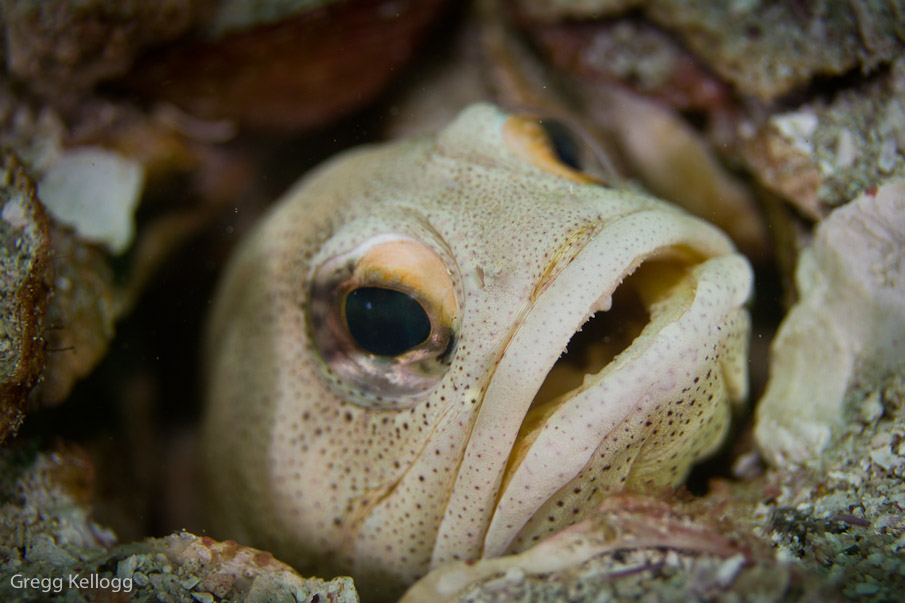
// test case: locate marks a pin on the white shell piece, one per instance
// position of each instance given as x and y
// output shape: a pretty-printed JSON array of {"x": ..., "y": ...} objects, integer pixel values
[
  {"x": 95, "y": 191},
  {"x": 845, "y": 334}
]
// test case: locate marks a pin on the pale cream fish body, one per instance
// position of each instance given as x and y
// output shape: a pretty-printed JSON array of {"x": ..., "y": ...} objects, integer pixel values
[{"x": 344, "y": 450}]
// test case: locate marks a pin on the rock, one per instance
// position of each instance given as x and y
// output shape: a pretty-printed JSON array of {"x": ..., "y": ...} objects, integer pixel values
[
  {"x": 25, "y": 277},
  {"x": 289, "y": 66},
  {"x": 70, "y": 45},
  {"x": 823, "y": 154},
  {"x": 764, "y": 50},
  {"x": 630, "y": 548},
  {"x": 845, "y": 336},
  {"x": 51, "y": 548}
]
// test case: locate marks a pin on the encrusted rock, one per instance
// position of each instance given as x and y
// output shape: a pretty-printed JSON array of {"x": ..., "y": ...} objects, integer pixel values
[
  {"x": 50, "y": 549},
  {"x": 91, "y": 165},
  {"x": 45, "y": 525},
  {"x": 58, "y": 46},
  {"x": 631, "y": 548},
  {"x": 764, "y": 49},
  {"x": 821, "y": 155},
  {"x": 288, "y": 66},
  {"x": 841, "y": 515},
  {"x": 80, "y": 318},
  {"x": 24, "y": 290},
  {"x": 845, "y": 336}
]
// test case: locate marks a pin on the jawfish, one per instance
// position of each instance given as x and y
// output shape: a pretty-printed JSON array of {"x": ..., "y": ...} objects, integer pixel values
[{"x": 448, "y": 347}]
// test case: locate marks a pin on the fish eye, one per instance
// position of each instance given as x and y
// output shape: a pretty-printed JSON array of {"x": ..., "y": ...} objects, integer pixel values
[
  {"x": 566, "y": 144},
  {"x": 383, "y": 318},
  {"x": 385, "y": 322},
  {"x": 558, "y": 147}
]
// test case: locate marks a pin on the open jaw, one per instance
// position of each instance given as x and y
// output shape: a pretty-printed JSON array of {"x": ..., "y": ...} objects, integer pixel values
[
  {"x": 647, "y": 394},
  {"x": 591, "y": 390},
  {"x": 605, "y": 335},
  {"x": 634, "y": 315},
  {"x": 596, "y": 345}
]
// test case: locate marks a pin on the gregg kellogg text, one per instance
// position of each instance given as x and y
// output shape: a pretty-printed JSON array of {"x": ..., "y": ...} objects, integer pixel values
[{"x": 56, "y": 585}]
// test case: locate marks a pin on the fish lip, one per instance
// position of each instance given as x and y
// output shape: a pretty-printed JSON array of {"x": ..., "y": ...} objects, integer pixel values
[
  {"x": 566, "y": 302},
  {"x": 583, "y": 425},
  {"x": 499, "y": 534}
]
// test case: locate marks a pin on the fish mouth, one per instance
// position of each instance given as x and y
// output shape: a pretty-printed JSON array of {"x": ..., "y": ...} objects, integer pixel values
[
  {"x": 554, "y": 446},
  {"x": 619, "y": 325},
  {"x": 598, "y": 343},
  {"x": 614, "y": 411}
]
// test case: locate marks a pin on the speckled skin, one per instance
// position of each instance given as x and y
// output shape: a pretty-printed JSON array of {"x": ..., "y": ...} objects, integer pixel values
[{"x": 301, "y": 467}]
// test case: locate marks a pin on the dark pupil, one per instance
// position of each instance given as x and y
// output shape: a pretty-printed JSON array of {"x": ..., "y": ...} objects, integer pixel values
[
  {"x": 385, "y": 322},
  {"x": 565, "y": 143}
]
